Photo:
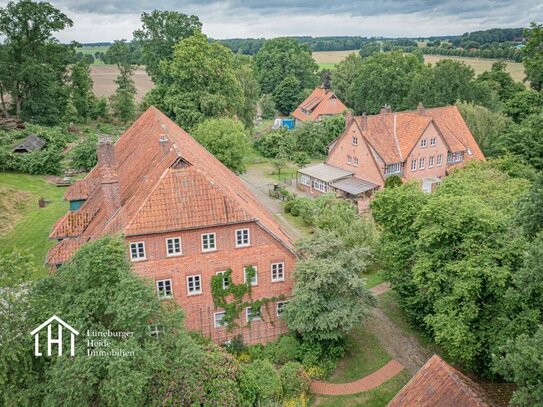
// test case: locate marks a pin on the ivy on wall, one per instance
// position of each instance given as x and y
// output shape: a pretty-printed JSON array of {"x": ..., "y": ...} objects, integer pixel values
[{"x": 231, "y": 298}]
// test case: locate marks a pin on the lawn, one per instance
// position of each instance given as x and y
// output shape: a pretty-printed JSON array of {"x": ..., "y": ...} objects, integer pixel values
[
  {"x": 32, "y": 229},
  {"x": 373, "y": 277},
  {"x": 378, "y": 397},
  {"x": 364, "y": 356}
]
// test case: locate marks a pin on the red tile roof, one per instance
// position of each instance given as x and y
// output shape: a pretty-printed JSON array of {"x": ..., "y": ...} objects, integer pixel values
[
  {"x": 167, "y": 181},
  {"x": 393, "y": 135},
  {"x": 320, "y": 102},
  {"x": 81, "y": 189},
  {"x": 438, "y": 384}
]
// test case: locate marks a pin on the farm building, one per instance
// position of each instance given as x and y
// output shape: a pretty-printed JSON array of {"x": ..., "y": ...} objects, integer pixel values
[
  {"x": 186, "y": 218},
  {"x": 423, "y": 144},
  {"x": 438, "y": 384},
  {"x": 321, "y": 103},
  {"x": 29, "y": 144}
]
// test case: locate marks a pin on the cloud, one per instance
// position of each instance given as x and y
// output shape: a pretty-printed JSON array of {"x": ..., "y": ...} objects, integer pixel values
[{"x": 100, "y": 20}]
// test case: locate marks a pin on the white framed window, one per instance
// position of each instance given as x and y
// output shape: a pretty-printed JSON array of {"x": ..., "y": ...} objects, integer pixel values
[
  {"x": 422, "y": 163},
  {"x": 355, "y": 161},
  {"x": 218, "y": 319},
  {"x": 393, "y": 168},
  {"x": 242, "y": 238},
  {"x": 414, "y": 165},
  {"x": 173, "y": 246},
  {"x": 194, "y": 284},
  {"x": 164, "y": 288},
  {"x": 423, "y": 143},
  {"x": 439, "y": 160},
  {"x": 430, "y": 161},
  {"x": 355, "y": 140},
  {"x": 154, "y": 330},
  {"x": 305, "y": 180},
  {"x": 252, "y": 316},
  {"x": 349, "y": 159},
  {"x": 319, "y": 185},
  {"x": 433, "y": 141},
  {"x": 137, "y": 251},
  {"x": 225, "y": 283},
  {"x": 254, "y": 280},
  {"x": 209, "y": 242},
  {"x": 278, "y": 272},
  {"x": 281, "y": 308}
]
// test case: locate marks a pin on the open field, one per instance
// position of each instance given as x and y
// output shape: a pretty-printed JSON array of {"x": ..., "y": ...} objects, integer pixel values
[
  {"x": 92, "y": 51},
  {"x": 105, "y": 75},
  {"x": 32, "y": 224},
  {"x": 516, "y": 69},
  {"x": 327, "y": 60}
]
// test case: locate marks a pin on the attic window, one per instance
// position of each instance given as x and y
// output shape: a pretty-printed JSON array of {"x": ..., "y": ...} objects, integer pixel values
[
  {"x": 180, "y": 163},
  {"x": 163, "y": 139}
]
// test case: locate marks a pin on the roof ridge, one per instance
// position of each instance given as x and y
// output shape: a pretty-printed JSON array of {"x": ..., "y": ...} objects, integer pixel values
[{"x": 460, "y": 378}]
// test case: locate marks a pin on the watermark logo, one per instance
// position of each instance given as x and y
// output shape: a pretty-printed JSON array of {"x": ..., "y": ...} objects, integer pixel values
[{"x": 61, "y": 325}]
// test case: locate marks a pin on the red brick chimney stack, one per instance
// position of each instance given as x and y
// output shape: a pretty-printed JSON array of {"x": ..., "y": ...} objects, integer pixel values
[
  {"x": 109, "y": 179},
  {"x": 421, "y": 109},
  {"x": 364, "y": 122}
]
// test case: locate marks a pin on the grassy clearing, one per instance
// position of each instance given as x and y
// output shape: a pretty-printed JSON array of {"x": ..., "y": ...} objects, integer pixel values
[
  {"x": 31, "y": 231},
  {"x": 364, "y": 356},
  {"x": 378, "y": 397},
  {"x": 91, "y": 50},
  {"x": 373, "y": 277},
  {"x": 12, "y": 202}
]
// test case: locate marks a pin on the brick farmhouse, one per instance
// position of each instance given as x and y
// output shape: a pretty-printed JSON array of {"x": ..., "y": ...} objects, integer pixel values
[
  {"x": 320, "y": 103},
  {"x": 423, "y": 145},
  {"x": 186, "y": 218}
]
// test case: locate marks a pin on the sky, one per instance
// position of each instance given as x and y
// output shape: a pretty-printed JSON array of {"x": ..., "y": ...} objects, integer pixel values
[{"x": 107, "y": 20}]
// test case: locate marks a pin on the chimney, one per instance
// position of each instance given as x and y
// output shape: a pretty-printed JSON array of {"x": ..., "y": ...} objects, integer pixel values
[
  {"x": 349, "y": 118},
  {"x": 109, "y": 180},
  {"x": 386, "y": 109},
  {"x": 421, "y": 109},
  {"x": 364, "y": 122}
]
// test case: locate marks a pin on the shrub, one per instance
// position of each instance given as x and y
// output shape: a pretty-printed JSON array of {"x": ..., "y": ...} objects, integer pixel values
[
  {"x": 275, "y": 142},
  {"x": 287, "y": 349},
  {"x": 83, "y": 156},
  {"x": 263, "y": 383},
  {"x": 294, "y": 379},
  {"x": 393, "y": 181},
  {"x": 267, "y": 105},
  {"x": 289, "y": 204}
]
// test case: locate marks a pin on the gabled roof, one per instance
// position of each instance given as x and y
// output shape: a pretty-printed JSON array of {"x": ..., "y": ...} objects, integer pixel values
[
  {"x": 320, "y": 102},
  {"x": 167, "y": 181},
  {"x": 30, "y": 143},
  {"x": 58, "y": 320},
  {"x": 394, "y": 134},
  {"x": 438, "y": 384}
]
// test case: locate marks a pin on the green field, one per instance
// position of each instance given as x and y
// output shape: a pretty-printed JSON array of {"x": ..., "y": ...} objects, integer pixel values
[
  {"x": 91, "y": 50},
  {"x": 32, "y": 228}
]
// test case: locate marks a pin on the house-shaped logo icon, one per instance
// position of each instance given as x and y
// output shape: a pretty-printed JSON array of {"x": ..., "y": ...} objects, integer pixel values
[{"x": 58, "y": 341}]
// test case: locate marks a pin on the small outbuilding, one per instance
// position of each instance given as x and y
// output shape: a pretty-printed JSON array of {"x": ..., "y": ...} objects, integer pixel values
[{"x": 29, "y": 144}]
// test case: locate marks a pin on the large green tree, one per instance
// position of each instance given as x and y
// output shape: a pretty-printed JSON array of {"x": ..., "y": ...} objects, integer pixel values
[
  {"x": 251, "y": 89},
  {"x": 81, "y": 90},
  {"x": 329, "y": 296},
  {"x": 226, "y": 139},
  {"x": 160, "y": 32},
  {"x": 123, "y": 101},
  {"x": 525, "y": 140},
  {"x": 343, "y": 77},
  {"x": 34, "y": 64},
  {"x": 280, "y": 58},
  {"x": 532, "y": 56},
  {"x": 288, "y": 95},
  {"x": 198, "y": 83},
  {"x": 96, "y": 291},
  {"x": 384, "y": 78}
]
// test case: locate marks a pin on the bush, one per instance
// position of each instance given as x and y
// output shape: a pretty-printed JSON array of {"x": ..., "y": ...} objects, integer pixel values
[
  {"x": 393, "y": 181},
  {"x": 287, "y": 349},
  {"x": 294, "y": 379},
  {"x": 267, "y": 105},
  {"x": 275, "y": 143},
  {"x": 83, "y": 156},
  {"x": 301, "y": 205},
  {"x": 262, "y": 383},
  {"x": 289, "y": 204}
]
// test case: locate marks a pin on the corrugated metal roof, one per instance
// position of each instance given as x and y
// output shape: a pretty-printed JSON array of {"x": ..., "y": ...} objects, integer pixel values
[
  {"x": 353, "y": 185},
  {"x": 325, "y": 172}
]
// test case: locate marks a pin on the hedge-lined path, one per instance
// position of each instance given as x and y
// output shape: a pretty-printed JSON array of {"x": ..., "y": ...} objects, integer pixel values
[{"x": 366, "y": 383}]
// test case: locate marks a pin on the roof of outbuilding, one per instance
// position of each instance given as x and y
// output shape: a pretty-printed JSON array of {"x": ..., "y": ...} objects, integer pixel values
[
  {"x": 167, "y": 181},
  {"x": 320, "y": 102},
  {"x": 30, "y": 143},
  {"x": 325, "y": 172},
  {"x": 438, "y": 384},
  {"x": 354, "y": 185}
]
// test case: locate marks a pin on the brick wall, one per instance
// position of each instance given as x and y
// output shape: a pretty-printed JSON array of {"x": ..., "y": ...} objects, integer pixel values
[{"x": 199, "y": 309}]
